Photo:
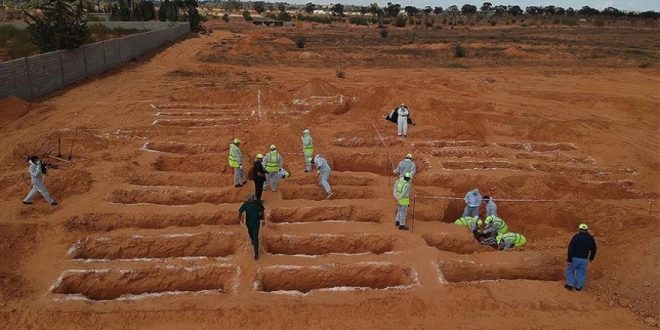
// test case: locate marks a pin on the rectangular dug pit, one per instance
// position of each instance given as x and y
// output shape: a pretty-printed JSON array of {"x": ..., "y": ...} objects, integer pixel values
[
  {"x": 191, "y": 164},
  {"x": 186, "y": 148},
  {"x": 175, "y": 197},
  {"x": 504, "y": 265},
  {"x": 317, "y": 193},
  {"x": 485, "y": 165},
  {"x": 361, "y": 162},
  {"x": 109, "y": 284},
  {"x": 160, "y": 246},
  {"x": 112, "y": 221},
  {"x": 336, "y": 179},
  {"x": 561, "y": 146},
  {"x": 456, "y": 239},
  {"x": 179, "y": 179},
  {"x": 321, "y": 244},
  {"x": 334, "y": 277},
  {"x": 324, "y": 213}
]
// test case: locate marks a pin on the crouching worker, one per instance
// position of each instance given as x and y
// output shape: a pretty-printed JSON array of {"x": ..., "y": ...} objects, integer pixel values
[
  {"x": 472, "y": 223},
  {"x": 324, "y": 174},
  {"x": 254, "y": 218},
  {"x": 495, "y": 226},
  {"x": 37, "y": 169},
  {"x": 510, "y": 240}
]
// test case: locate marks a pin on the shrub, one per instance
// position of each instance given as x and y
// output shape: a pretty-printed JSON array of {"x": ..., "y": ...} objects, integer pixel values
[
  {"x": 493, "y": 23},
  {"x": 428, "y": 24},
  {"x": 283, "y": 16},
  {"x": 340, "y": 73},
  {"x": 247, "y": 16},
  {"x": 459, "y": 51},
  {"x": 358, "y": 20},
  {"x": 225, "y": 18},
  {"x": 384, "y": 33},
  {"x": 400, "y": 21},
  {"x": 7, "y": 32},
  {"x": 300, "y": 42}
]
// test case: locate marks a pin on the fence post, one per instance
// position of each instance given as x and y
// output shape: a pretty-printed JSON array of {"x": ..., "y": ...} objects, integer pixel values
[
  {"x": 105, "y": 58},
  {"x": 61, "y": 69},
  {"x": 412, "y": 223}
]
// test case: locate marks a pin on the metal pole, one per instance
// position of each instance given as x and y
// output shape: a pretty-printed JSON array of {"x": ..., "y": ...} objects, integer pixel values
[{"x": 412, "y": 223}]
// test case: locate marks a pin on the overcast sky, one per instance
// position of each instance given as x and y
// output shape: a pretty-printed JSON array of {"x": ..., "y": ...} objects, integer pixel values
[{"x": 637, "y": 5}]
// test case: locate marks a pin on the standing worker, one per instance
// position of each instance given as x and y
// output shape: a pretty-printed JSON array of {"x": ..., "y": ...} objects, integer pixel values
[
  {"x": 37, "y": 169},
  {"x": 510, "y": 240},
  {"x": 259, "y": 176},
  {"x": 254, "y": 215},
  {"x": 581, "y": 251},
  {"x": 402, "y": 120},
  {"x": 401, "y": 194},
  {"x": 472, "y": 202},
  {"x": 273, "y": 163},
  {"x": 491, "y": 207},
  {"x": 236, "y": 162},
  {"x": 406, "y": 166},
  {"x": 324, "y": 173},
  {"x": 308, "y": 149}
]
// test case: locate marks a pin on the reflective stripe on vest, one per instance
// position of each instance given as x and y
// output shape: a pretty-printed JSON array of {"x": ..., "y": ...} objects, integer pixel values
[
  {"x": 400, "y": 186},
  {"x": 273, "y": 164},
  {"x": 233, "y": 162}
]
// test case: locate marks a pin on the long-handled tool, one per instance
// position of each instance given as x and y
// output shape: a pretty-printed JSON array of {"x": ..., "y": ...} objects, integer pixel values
[{"x": 73, "y": 143}]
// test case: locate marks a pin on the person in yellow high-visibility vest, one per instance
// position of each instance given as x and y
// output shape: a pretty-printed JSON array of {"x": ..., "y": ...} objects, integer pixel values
[
  {"x": 272, "y": 163},
  {"x": 401, "y": 194},
  {"x": 236, "y": 163},
  {"x": 308, "y": 149},
  {"x": 510, "y": 240}
]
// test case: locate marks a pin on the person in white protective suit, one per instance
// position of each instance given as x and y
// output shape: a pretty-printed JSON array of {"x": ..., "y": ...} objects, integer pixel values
[
  {"x": 324, "y": 174},
  {"x": 37, "y": 169}
]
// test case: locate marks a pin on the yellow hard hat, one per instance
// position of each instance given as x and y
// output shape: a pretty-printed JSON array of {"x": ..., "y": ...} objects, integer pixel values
[
  {"x": 480, "y": 222},
  {"x": 407, "y": 175},
  {"x": 489, "y": 219},
  {"x": 260, "y": 156},
  {"x": 409, "y": 156},
  {"x": 583, "y": 226},
  {"x": 237, "y": 141},
  {"x": 272, "y": 147}
]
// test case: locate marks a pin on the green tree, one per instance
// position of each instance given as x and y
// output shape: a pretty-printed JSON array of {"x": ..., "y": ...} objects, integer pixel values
[
  {"x": 309, "y": 7},
  {"x": 247, "y": 16},
  {"x": 486, "y": 6},
  {"x": 411, "y": 10},
  {"x": 281, "y": 6},
  {"x": 337, "y": 9},
  {"x": 61, "y": 25},
  {"x": 392, "y": 9},
  {"x": 468, "y": 9},
  {"x": 437, "y": 10},
  {"x": 259, "y": 6}
]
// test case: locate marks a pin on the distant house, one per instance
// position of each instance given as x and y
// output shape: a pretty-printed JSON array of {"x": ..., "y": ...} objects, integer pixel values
[
  {"x": 320, "y": 12},
  {"x": 267, "y": 22}
]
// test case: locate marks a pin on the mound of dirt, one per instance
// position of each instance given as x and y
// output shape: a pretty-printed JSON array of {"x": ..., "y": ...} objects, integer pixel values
[
  {"x": 315, "y": 87},
  {"x": 284, "y": 41},
  {"x": 12, "y": 108}
]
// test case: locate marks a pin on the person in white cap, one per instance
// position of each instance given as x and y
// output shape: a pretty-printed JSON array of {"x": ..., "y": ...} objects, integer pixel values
[
  {"x": 324, "y": 174},
  {"x": 236, "y": 162},
  {"x": 308, "y": 149},
  {"x": 402, "y": 121},
  {"x": 406, "y": 166},
  {"x": 581, "y": 251},
  {"x": 272, "y": 163}
]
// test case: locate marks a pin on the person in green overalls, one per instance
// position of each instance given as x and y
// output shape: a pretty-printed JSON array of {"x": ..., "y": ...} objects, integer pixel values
[{"x": 254, "y": 214}]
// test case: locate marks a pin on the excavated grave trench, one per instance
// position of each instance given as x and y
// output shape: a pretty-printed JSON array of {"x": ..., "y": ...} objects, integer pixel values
[
  {"x": 556, "y": 168},
  {"x": 539, "y": 146},
  {"x": 162, "y": 246},
  {"x": 111, "y": 284},
  {"x": 206, "y": 113},
  {"x": 324, "y": 213},
  {"x": 201, "y": 122},
  {"x": 485, "y": 165},
  {"x": 469, "y": 153},
  {"x": 92, "y": 222},
  {"x": 334, "y": 276},
  {"x": 504, "y": 265},
  {"x": 362, "y": 162},
  {"x": 317, "y": 193},
  {"x": 186, "y": 148},
  {"x": 321, "y": 244},
  {"x": 192, "y": 106},
  {"x": 335, "y": 179},
  {"x": 191, "y": 164},
  {"x": 356, "y": 142},
  {"x": 180, "y": 179},
  {"x": 176, "y": 197},
  {"x": 456, "y": 239}
]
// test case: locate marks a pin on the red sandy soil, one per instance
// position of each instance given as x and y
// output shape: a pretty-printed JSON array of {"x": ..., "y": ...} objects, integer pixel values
[{"x": 147, "y": 208}]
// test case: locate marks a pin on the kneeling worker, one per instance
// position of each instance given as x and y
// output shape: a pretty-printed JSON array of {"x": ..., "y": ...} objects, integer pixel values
[
  {"x": 402, "y": 196},
  {"x": 472, "y": 223},
  {"x": 495, "y": 226},
  {"x": 324, "y": 174},
  {"x": 254, "y": 214},
  {"x": 510, "y": 240}
]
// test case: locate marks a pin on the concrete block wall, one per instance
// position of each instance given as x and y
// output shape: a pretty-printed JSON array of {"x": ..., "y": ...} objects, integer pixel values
[{"x": 38, "y": 75}]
